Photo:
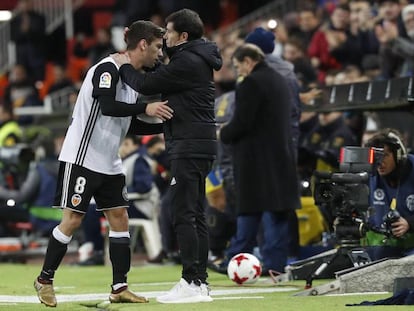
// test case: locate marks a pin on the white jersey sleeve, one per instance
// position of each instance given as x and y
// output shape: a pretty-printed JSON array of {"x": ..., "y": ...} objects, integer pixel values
[{"x": 92, "y": 139}]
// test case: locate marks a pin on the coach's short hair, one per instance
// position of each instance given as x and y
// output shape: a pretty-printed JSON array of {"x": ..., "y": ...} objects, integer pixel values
[{"x": 188, "y": 21}]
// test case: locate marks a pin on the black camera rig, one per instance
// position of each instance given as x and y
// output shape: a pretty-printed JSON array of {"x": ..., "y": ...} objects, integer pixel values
[{"x": 343, "y": 199}]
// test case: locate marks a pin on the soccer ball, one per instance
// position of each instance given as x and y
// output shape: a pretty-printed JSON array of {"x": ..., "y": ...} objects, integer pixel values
[{"x": 244, "y": 268}]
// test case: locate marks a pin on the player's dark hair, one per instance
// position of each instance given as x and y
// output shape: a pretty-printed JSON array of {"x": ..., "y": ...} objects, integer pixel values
[{"x": 142, "y": 30}]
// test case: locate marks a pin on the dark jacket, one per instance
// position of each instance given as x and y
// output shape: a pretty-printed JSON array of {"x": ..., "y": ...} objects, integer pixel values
[
  {"x": 264, "y": 165},
  {"x": 381, "y": 195},
  {"x": 286, "y": 70},
  {"x": 187, "y": 83}
]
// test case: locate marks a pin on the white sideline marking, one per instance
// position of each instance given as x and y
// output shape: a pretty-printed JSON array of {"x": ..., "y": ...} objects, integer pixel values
[
  {"x": 238, "y": 297},
  {"x": 103, "y": 297}
]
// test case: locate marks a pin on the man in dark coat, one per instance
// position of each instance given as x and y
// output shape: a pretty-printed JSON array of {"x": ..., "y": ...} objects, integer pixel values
[
  {"x": 190, "y": 137},
  {"x": 28, "y": 32},
  {"x": 264, "y": 163}
]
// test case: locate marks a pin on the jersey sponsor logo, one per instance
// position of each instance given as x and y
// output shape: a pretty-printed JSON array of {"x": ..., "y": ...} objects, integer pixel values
[
  {"x": 105, "y": 80},
  {"x": 173, "y": 181},
  {"x": 410, "y": 202},
  {"x": 379, "y": 194},
  {"x": 76, "y": 199}
]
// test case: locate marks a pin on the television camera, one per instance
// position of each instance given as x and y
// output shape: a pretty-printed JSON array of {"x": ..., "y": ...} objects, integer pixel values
[
  {"x": 343, "y": 197},
  {"x": 14, "y": 163}
]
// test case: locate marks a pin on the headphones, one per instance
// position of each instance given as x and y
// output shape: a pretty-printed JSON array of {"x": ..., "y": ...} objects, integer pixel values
[{"x": 401, "y": 151}]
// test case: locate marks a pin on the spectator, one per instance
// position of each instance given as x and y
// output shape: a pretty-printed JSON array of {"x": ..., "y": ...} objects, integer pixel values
[
  {"x": 21, "y": 92},
  {"x": 308, "y": 24},
  {"x": 396, "y": 48},
  {"x": 10, "y": 131},
  {"x": 262, "y": 152},
  {"x": 103, "y": 46},
  {"x": 391, "y": 187},
  {"x": 295, "y": 53},
  {"x": 331, "y": 46},
  {"x": 156, "y": 148},
  {"x": 323, "y": 144},
  {"x": 60, "y": 79},
  {"x": 390, "y": 24},
  {"x": 139, "y": 168},
  {"x": 28, "y": 32},
  {"x": 222, "y": 221},
  {"x": 362, "y": 21}
]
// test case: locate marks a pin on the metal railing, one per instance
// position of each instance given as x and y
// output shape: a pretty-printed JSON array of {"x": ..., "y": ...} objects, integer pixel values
[
  {"x": 56, "y": 13},
  {"x": 274, "y": 9},
  {"x": 55, "y": 103},
  {"x": 7, "y": 49}
]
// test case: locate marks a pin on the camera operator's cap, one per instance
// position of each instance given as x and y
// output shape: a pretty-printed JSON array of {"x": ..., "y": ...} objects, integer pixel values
[{"x": 263, "y": 38}]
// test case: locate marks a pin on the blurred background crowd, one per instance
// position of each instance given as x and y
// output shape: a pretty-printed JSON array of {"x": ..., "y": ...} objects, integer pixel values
[{"x": 328, "y": 42}]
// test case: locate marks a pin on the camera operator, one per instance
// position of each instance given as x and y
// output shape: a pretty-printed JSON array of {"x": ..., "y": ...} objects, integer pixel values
[
  {"x": 391, "y": 199},
  {"x": 25, "y": 196}
]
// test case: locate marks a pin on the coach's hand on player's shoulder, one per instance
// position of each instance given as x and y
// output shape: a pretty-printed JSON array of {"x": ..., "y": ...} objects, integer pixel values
[
  {"x": 160, "y": 110},
  {"x": 121, "y": 58}
]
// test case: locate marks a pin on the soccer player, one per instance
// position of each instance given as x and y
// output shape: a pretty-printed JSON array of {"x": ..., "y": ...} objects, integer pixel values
[{"x": 90, "y": 164}]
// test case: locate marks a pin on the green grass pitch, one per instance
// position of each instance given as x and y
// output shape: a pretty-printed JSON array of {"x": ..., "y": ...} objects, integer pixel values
[{"x": 91, "y": 284}]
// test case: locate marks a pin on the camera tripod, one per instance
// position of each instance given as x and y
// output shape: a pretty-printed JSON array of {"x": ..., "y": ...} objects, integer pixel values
[{"x": 341, "y": 258}]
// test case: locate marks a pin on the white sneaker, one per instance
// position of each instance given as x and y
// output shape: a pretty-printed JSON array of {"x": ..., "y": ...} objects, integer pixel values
[
  {"x": 183, "y": 292},
  {"x": 205, "y": 292}
]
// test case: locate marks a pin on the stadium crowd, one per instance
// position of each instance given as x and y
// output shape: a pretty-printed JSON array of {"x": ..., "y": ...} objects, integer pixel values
[{"x": 326, "y": 42}]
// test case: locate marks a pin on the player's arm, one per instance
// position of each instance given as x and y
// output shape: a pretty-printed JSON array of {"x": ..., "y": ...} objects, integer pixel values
[
  {"x": 104, "y": 83},
  {"x": 139, "y": 127}
]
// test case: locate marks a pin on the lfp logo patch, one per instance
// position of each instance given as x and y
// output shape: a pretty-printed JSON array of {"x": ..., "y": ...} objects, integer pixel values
[{"x": 105, "y": 80}]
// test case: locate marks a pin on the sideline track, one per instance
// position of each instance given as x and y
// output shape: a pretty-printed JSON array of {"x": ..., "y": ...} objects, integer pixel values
[{"x": 92, "y": 297}]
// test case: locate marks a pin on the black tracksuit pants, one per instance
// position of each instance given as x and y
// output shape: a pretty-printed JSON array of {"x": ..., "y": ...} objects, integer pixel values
[{"x": 188, "y": 204}]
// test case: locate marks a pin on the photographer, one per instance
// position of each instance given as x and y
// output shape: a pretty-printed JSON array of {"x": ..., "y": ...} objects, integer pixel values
[{"x": 391, "y": 199}]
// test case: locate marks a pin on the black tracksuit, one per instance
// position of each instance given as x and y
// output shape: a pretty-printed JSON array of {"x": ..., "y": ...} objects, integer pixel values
[{"x": 187, "y": 83}]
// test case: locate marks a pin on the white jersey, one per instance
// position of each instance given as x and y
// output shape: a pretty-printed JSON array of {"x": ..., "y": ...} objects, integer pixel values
[{"x": 93, "y": 140}]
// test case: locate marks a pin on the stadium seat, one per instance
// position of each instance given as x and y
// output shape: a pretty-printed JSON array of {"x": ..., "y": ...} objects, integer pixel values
[
  {"x": 150, "y": 234},
  {"x": 149, "y": 228}
]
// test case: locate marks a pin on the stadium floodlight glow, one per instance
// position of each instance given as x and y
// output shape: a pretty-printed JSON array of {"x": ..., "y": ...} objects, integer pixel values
[
  {"x": 10, "y": 203},
  {"x": 305, "y": 184},
  {"x": 5, "y": 15},
  {"x": 272, "y": 24}
]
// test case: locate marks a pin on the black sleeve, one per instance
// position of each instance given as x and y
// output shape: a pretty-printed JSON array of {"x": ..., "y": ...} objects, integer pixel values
[
  {"x": 104, "y": 82},
  {"x": 132, "y": 77},
  {"x": 175, "y": 77},
  {"x": 410, "y": 220},
  {"x": 139, "y": 127},
  {"x": 111, "y": 107},
  {"x": 244, "y": 117}
]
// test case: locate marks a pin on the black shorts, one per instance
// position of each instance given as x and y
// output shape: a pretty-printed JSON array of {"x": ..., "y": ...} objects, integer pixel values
[{"x": 77, "y": 185}]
